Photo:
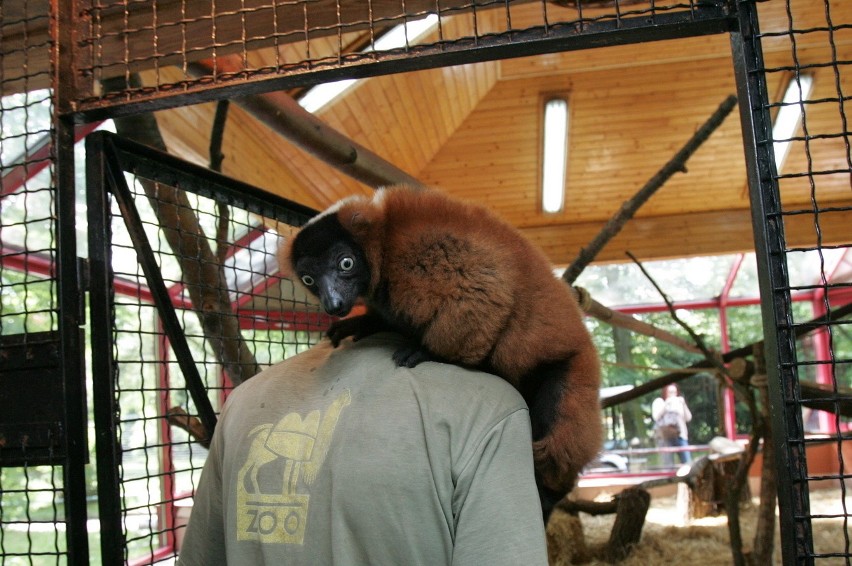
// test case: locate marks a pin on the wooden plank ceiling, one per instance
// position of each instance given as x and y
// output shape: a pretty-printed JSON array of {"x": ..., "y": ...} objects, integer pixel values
[{"x": 475, "y": 131}]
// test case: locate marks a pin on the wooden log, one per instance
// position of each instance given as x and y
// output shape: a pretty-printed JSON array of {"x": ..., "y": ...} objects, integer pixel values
[
  {"x": 566, "y": 543},
  {"x": 633, "y": 504},
  {"x": 630, "y": 508},
  {"x": 283, "y": 115},
  {"x": 704, "y": 495},
  {"x": 575, "y": 506}
]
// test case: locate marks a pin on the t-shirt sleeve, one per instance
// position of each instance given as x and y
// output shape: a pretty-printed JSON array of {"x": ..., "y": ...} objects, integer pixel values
[
  {"x": 204, "y": 540},
  {"x": 496, "y": 505}
]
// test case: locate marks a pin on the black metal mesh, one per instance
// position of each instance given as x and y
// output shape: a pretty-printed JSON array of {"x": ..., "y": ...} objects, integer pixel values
[
  {"x": 159, "y": 463},
  {"x": 190, "y": 47},
  {"x": 192, "y": 51},
  {"x": 32, "y": 515},
  {"x": 817, "y": 197}
]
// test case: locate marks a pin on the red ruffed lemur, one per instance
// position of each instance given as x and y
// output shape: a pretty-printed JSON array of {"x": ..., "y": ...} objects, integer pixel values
[{"x": 469, "y": 289}]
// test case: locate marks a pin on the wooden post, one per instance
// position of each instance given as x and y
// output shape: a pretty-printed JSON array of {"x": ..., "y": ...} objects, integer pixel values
[
  {"x": 633, "y": 504},
  {"x": 764, "y": 536}
]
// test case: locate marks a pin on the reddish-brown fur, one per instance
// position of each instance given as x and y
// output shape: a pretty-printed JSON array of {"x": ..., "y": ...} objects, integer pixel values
[{"x": 480, "y": 294}]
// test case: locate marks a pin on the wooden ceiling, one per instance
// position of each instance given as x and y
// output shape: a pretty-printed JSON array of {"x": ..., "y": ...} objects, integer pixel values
[{"x": 475, "y": 131}]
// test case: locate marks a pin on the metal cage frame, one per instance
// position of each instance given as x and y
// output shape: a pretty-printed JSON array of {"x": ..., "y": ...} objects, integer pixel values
[{"x": 73, "y": 45}]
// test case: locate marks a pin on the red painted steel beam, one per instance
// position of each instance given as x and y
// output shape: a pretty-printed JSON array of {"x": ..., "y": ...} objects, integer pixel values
[{"x": 37, "y": 160}]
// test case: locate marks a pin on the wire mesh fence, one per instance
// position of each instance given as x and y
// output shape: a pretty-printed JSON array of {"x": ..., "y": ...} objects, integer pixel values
[
  {"x": 32, "y": 514},
  {"x": 130, "y": 56},
  {"x": 806, "y": 98},
  {"x": 208, "y": 264},
  {"x": 185, "y": 48}
]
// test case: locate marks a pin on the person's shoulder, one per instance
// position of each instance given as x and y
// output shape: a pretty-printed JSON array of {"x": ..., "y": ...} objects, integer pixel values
[
  {"x": 293, "y": 367},
  {"x": 464, "y": 389},
  {"x": 373, "y": 355},
  {"x": 382, "y": 346}
]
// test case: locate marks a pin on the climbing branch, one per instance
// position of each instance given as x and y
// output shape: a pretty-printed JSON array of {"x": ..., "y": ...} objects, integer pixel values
[
  {"x": 711, "y": 356},
  {"x": 615, "y": 318},
  {"x": 179, "y": 418},
  {"x": 216, "y": 157},
  {"x": 825, "y": 400}
]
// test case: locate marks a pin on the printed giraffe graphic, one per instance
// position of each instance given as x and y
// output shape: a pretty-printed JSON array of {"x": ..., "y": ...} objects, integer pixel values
[{"x": 270, "y": 507}]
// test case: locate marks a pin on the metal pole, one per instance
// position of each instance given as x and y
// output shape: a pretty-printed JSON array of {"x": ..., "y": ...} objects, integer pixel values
[
  {"x": 779, "y": 336},
  {"x": 68, "y": 288},
  {"x": 103, "y": 363}
]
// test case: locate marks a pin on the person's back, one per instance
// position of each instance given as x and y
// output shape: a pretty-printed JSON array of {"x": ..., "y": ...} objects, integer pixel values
[{"x": 340, "y": 457}]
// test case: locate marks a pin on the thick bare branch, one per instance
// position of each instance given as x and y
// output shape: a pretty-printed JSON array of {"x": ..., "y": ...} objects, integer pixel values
[
  {"x": 828, "y": 403},
  {"x": 216, "y": 158},
  {"x": 285, "y": 117},
  {"x": 711, "y": 356},
  {"x": 629, "y": 208},
  {"x": 615, "y": 318},
  {"x": 179, "y": 418}
]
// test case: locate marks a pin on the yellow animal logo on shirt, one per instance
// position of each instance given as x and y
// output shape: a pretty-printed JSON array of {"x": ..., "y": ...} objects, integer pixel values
[{"x": 270, "y": 509}]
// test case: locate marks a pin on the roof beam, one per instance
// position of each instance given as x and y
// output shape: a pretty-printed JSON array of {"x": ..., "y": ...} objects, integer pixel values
[{"x": 281, "y": 113}]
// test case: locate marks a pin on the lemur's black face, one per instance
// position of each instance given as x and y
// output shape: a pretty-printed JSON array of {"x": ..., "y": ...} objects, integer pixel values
[{"x": 331, "y": 265}]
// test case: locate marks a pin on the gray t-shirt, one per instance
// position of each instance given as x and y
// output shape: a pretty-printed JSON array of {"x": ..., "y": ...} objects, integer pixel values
[{"x": 340, "y": 457}]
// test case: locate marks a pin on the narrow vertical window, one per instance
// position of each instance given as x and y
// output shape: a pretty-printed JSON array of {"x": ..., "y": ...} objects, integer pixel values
[
  {"x": 789, "y": 116},
  {"x": 400, "y": 36},
  {"x": 555, "y": 155}
]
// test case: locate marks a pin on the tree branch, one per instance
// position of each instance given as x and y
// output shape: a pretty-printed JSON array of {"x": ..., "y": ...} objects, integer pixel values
[
  {"x": 615, "y": 318},
  {"x": 801, "y": 330},
  {"x": 179, "y": 418},
  {"x": 629, "y": 208},
  {"x": 216, "y": 157},
  {"x": 711, "y": 356}
]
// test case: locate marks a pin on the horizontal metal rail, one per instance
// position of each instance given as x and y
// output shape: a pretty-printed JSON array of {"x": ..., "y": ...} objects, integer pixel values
[{"x": 702, "y": 19}]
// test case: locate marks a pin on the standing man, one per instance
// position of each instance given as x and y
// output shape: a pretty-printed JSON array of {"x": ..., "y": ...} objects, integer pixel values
[
  {"x": 671, "y": 413},
  {"x": 337, "y": 456}
]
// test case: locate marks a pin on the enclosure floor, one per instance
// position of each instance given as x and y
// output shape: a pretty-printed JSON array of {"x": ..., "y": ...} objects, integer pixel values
[{"x": 705, "y": 541}]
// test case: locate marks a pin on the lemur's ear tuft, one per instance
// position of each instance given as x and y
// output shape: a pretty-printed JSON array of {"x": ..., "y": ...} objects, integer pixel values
[{"x": 357, "y": 217}]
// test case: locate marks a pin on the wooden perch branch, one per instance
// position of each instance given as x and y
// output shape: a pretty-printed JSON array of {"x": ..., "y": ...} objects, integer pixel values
[
  {"x": 216, "y": 158},
  {"x": 615, "y": 318},
  {"x": 629, "y": 208},
  {"x": 285, "y": 117},
  {"x": 825, "y": 398},
  {"x": 674, "y": 377},
  {"x": 711, "y": 356},
  {"x": 179, "y": 418}
]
